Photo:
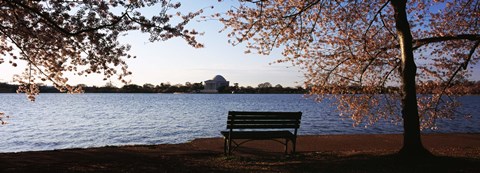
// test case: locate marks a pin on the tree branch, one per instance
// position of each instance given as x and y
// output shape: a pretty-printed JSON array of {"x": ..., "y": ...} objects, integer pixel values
[
  {"x": 28, "y": 58},
  {"x": 460, "y": 67},
  {"x": 303, "y": 9},
  {"x": 52, "y": 23},
  {"x": 421, "y": 42},
  {"x": 375, "y": 17},
  {"x": 472, "y": 51},
  {"x": 333, "y": 69},
  {"x": 387, "y": 28},
  {"x": 424, "y": 41}
]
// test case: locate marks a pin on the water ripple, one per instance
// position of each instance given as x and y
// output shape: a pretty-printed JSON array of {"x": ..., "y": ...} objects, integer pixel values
[{"x": 58, "y": 121}]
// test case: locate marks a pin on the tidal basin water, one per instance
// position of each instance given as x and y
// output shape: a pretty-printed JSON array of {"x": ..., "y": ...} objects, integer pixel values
[{"x": 59, "y": 121}]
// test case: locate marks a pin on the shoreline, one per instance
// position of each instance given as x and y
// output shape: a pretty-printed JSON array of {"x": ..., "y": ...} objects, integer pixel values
[
  {"x": 210, "y": 140},
  {"x": 314, "y": 152}
]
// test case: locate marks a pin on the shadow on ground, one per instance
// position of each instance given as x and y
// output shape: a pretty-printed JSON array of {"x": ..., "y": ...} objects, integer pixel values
[
  {"x": 338, "y": 162},
  {"x": 337, "y": 153},
  {"x": 152, "y": 160}
]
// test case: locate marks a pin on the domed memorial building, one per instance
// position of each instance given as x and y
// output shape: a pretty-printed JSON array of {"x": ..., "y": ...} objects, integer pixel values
[{"x": 212, "y": 86}]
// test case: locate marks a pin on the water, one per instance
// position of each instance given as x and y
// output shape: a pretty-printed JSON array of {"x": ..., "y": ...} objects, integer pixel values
[{"x": 58, "y": 121}]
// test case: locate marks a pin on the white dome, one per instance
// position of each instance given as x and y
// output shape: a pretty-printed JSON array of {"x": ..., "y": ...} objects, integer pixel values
[{"x": 219, "y": 78}]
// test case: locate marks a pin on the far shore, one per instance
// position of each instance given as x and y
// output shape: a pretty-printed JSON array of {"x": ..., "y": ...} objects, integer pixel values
[{"x": 315, "y": 153}]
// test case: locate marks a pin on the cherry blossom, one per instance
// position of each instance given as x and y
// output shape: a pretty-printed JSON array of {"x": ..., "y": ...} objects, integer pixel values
[
  {"x": 369, "y": 56},
  {"x": 55, "y": 38}
]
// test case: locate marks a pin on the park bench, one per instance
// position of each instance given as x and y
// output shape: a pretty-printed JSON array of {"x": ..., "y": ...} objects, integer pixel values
[{"x": 243, "y": 127}]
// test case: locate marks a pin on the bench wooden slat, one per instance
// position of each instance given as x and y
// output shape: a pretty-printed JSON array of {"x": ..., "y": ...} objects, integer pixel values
[
  {"x": 260, "y": 134},
  {"x": 292, "y": 116},
  {"x": 263, "y": 113},
  {"x": 263, "y": 126},
  {"x": 263, "y": 122}
]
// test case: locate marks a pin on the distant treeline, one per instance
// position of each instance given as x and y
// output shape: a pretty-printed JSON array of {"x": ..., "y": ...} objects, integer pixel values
[
  {"x": 264, "y": 88},
  {"x": 429, "y": 87},
  {"x": 467, "y": 87}
]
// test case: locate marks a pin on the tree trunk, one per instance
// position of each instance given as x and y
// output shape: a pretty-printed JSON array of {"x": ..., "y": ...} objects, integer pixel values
[{"x": 412, "y": 143}]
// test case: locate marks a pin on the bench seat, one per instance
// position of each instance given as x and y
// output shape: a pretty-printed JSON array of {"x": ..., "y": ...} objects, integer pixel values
[{"x": 258, "y": 135}]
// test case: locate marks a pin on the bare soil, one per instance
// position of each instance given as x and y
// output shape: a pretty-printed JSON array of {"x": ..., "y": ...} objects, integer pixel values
[{"x": 322, "y": 153}]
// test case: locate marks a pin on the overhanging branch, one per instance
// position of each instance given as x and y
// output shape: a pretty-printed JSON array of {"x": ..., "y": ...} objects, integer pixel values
[
  {"x": 49, "y": 21},
  {"x": 375, "y": 17},
  {"x": 472, "y": 51},
  {"x": 422, "y": 42}
]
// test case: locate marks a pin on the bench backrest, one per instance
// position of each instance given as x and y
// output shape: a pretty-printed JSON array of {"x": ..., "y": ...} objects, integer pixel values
[{"x": 263, "y": 120}]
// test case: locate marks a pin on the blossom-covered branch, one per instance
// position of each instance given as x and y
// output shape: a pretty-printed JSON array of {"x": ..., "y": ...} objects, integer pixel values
[
  {"x": 369, "y": 45},
  {"x": 80, "y": 37}
]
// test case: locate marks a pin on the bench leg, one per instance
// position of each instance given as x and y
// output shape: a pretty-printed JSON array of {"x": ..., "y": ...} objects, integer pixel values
[
  {"x": 229, "y": 146},
  {"x": 286, "y": 146},
  {"x": 225, "y": 146},
  {"x": 294, "y": 143}
]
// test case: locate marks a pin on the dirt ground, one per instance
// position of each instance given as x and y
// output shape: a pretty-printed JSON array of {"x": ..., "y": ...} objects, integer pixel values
[{"x": 322, "y": 153}]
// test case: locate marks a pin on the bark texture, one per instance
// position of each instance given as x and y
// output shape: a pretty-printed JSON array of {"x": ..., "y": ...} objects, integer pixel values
[{"x": 412, "y": 143}]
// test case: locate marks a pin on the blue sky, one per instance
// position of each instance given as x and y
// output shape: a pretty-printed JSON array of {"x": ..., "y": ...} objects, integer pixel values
[{"x": 176, "y": 62}]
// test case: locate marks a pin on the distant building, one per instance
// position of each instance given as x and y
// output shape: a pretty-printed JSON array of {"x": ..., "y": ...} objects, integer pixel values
[{"x": 212, "y": 86}]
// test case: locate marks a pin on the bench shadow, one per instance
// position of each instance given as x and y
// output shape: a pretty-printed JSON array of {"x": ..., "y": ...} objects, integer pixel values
[
  {"x": 245, "y": 151},
  {"x": 334, "y": 162}
]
